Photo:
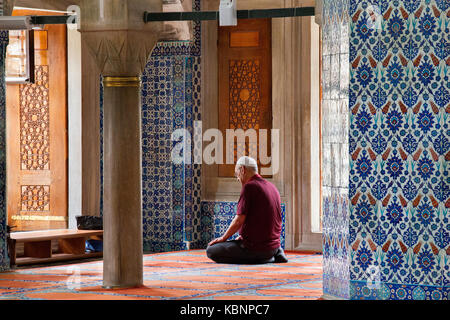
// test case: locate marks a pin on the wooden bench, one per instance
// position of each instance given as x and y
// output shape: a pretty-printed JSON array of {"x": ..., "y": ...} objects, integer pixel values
[{"x": 38, "y": 246}]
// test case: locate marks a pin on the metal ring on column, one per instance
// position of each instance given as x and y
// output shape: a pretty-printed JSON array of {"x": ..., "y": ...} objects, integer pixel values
[{"x": 122, "y": 81}]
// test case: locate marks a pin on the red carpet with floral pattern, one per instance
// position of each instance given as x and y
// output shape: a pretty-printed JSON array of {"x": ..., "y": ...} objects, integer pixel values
[{"x": 173, "y": 276}]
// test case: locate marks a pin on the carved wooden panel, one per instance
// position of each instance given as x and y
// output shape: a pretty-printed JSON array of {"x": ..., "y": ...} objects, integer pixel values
[
  {"x": 35, "y": 198},
  {"x": 37, "y": 136},
  {"x": 245, "y": 84},
  {"x": 244, "y": 100},
  {"x": 35, "y": 122},
  {"x": 245, "y": 94}
]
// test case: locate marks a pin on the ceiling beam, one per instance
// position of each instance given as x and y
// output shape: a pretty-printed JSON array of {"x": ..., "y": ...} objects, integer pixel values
[
  {"x": 241, "y": 14},
  {"x": 59, "y": 5}
]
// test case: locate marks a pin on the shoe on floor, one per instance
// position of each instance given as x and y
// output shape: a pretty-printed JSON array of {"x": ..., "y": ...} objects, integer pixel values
[{"x": 280, "y": 257}]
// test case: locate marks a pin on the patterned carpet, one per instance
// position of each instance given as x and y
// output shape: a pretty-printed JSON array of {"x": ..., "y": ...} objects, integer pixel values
[{"x": 173, "y": 276}]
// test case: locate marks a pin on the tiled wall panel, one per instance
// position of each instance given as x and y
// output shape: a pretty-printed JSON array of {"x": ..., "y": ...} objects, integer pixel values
[
  {"x": 399, "y": 180},
  {"x": 171, "y": 101},
  {"x": 393, "y": 241},
  {"x": 171, "y": 192}
]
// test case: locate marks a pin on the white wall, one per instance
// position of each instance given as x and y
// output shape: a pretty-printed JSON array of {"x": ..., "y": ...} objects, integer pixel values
[
  {"x": 74, "y": 123},
  {"x": 315, "y": 127}
]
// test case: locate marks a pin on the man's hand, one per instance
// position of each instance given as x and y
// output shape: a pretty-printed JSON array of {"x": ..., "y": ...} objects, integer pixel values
[{"x": 217, "y": 240}]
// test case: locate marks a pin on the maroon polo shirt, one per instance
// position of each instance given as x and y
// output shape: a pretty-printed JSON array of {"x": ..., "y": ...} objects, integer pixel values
[{"x": 260, "y": 202}]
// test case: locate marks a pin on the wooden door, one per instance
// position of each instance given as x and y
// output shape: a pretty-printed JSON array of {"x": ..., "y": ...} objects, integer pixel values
[
  {"x": 37, "y": 136},
  {"x": 245, "y": 83}
]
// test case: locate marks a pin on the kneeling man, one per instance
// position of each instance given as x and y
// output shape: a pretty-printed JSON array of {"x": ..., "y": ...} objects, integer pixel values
[{"x": 258, "y": 220}]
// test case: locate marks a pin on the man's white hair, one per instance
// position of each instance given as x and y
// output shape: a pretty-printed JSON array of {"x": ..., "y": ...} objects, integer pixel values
[{"x": 247, "y": 162}]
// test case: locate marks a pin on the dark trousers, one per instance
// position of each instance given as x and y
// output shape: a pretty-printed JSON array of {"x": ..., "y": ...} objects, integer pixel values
[{"x": 233, "y": 251}]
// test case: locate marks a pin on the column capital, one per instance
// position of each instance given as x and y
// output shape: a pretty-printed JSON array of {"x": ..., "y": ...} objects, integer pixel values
[
  {"x": 319, "y": 12},
  {"x": 116, "y": 35}
]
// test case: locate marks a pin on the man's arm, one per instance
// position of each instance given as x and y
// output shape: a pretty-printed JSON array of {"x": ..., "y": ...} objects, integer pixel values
[{"x": 234, "y": 227}]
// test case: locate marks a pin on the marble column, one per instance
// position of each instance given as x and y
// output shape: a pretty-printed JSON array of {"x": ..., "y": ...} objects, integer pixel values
[{"x": 121, "y": 43}]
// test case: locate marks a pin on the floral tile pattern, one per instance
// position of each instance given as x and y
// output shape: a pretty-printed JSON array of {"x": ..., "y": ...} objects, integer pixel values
[
  {"x": 399, "y": 180},
  {"x": 399, "y": 102},
  {"x": 398, "y": 150}
]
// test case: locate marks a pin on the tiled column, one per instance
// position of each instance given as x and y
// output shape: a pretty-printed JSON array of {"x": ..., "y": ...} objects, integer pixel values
[
  {"x": 121, "y": 42},
  {"x": 335, "y": 130},
  {"x": 4, "y": 261},
  {"x": 394, "y": 242}
]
